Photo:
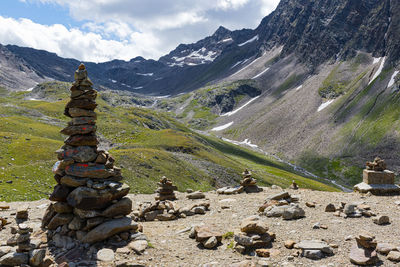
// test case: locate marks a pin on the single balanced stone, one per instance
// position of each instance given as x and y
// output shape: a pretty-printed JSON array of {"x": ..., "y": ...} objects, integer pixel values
[
  {"x": 90, "y": 201},
  {"x": 249, "y": 183},
  {"x": 165, "y": 190},
  {"x": 377, "y": 179}
]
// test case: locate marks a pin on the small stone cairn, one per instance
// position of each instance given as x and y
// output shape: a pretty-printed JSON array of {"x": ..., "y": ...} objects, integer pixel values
[
  {"x": 283, "y": 205},
  {"x": 168, "y": 210},
  {"x": 166, "y": 190},
  {"x": 207, "y": 236},
  {"x": 254, "y": 235},
  {"x": 377, "y": 179},
  {"x": 89, "y": 200},
  {"x": 363, "y": 251},
  {"x": 248, "y": 185}
]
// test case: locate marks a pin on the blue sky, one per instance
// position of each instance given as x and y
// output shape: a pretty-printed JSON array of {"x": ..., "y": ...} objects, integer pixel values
[{"x": 98, "y": 30}]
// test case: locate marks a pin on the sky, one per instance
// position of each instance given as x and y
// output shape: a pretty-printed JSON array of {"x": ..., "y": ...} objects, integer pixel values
[{"x": 103, "y": 30}]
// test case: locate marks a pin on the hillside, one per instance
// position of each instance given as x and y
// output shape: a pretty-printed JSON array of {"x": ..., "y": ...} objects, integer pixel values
[{"x": 145, "y": 143}]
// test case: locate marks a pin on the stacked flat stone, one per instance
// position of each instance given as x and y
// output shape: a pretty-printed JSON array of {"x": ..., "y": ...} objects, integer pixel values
[
  {"x": 165, "y": 190},
  {"x": 377, "y": 179},
  {"x": 90, "y": 203},
  {"x": 254, "y": 235},
  {"x": 248, "y": 183}
]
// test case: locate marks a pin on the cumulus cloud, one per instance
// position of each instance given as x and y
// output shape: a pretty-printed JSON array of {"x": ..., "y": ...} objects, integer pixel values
[{"x": 127, "y": 28}]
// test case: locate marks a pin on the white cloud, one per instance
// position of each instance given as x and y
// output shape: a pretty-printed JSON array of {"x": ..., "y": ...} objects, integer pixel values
[{"x": 128, "y": 28}]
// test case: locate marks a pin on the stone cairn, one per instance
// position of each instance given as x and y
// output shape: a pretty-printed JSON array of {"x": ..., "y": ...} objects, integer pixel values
[
  {"x": 254, "y": 235},
  {"x": 283, "y": 205},
  {"x": 90, "y": 204},
  {"x": 363, "y": 251},
  {"x": 166, "y": 190},
  {"x": 377, "y": 179},
  {"x": 248, "y": 185}
]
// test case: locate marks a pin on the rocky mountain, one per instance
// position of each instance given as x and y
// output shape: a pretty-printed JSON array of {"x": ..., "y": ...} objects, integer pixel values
[{"x": 325, "y": 75}]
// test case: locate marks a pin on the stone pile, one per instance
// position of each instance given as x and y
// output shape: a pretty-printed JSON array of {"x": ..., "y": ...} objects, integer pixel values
[
  {"x": 377, "y": 179},
  {"x": 248, "y": 185},
  {"x": 294, "y": 186},
  {"x": 314, "y": 249},
  {"x": 363, "y": 251},
  {"x": 208, "y": 237},
  {"x": 168, "y": 210},
  {"x": 89, "y": 199},
  {"x": 282, "y": 205},
  {"x": 254, "y": 235},
  {"x": 350, "y": 210},
  {"x": 165, "y": 190}
]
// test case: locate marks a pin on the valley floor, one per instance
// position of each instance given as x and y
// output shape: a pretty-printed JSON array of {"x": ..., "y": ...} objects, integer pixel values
[{"x": 171, "y": 248}]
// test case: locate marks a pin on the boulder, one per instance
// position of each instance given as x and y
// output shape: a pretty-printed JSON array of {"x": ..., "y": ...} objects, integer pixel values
[
  {"x": 110, "y": 228},
  {"x": 14, "y": 259},
  {"x": 196, "y": 195},
  {"x": 394, "y": 256},
  {"x": 73, "y": 181},
  {"x": 330, "y": 208},
  {"x": 279, "y": 196},
  {"x": 362, "y": 256},
  {"x": 203, "y": 233},
  {"x": 381, "y": 220},
  {"x": 139, "y": 246},
  {"x": 211, "y": 242},
  {"x": 314, "y": 245},
  {"x": 62, "y": 207},
  {"x": 293, "y": 212},
  {"x": 254, "y": 224},
  {"x": 105, "y": 254},
  {"x": 78, "y": 129},
  {"x": 86, "y": 198},
  {"x": 385, "y": 248}
]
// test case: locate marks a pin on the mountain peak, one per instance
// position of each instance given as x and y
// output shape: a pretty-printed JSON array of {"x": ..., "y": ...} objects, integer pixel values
[{"x": 221, "y": 31}]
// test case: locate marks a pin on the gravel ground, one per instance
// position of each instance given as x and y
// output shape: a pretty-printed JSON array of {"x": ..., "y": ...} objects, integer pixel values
[{"x": 171, "y": 248}]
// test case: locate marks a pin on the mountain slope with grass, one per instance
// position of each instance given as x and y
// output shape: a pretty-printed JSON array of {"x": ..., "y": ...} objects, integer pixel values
[{"x": 147, "y": 145}]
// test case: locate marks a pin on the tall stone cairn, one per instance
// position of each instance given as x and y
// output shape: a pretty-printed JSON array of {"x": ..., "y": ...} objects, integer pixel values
[{"x": 90, "y": 203}]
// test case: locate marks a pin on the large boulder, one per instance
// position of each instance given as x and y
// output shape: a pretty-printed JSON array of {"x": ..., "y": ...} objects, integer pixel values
[
  {"x": 110, "y": 228},
  {"x": 86, "y": 198}
]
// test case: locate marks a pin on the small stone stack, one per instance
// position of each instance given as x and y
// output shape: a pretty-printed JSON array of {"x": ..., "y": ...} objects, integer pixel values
[
  {"x": 166, "y": 190},
  {"x": 254, "y": 235},
  {"x": 363, "y": 252},
  {"x": 377, "y": 179},
  {"x": 90, "y": 203},
  {"x": 248, "y": 183},
  {"x": 208, "y": 237}
]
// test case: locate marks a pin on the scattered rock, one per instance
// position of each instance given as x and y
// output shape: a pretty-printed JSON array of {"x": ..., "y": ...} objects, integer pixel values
[
  {"x": 381, "y": 220},
  {"x": 394, "y": 256},
  {"x": 330, "y": 208},
  {"x": 196, "y": 195}
]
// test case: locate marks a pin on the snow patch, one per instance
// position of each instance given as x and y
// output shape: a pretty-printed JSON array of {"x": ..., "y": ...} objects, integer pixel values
[
  {"x": 261, "y": 73},
  {"x": 113, "y": 81},
  {"x": 30, "y": 89},
  {"x": 298, "y": 88},
  {"x": 145, "y": 74},
  {"x": 255, "y": 38},
  {"x": 222, "y": 127},
  {"x": 236, "y": 110},
  {"x": 324, "y": 105},
  {"x": 246, "y": 142},
  {"x": 162, "y": 96},
  {"x": 245, "y": 67},
  {"x": 378, "y": 72},
  {"x": 391, "y": 82},
  {"x": 197, "y": 57},
  {"x": 137, "y": 88},
  {"x": 225, "y": 40},
  {"x": 376, "y": 60},
  {"x": 33, "y": 99}
]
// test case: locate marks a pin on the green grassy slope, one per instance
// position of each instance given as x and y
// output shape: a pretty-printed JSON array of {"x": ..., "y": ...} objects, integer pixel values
[{"x": 145, "y": 143}]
